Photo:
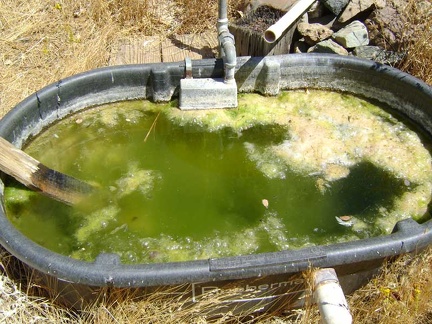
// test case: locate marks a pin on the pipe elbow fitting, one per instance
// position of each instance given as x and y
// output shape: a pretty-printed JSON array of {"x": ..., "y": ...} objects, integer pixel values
[
  {"x": 230, "y": 61},
  {"x": 226, "y": 41}
]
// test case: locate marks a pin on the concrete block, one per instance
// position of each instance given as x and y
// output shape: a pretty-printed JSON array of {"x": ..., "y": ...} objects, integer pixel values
[{"x": 207, "y": 93}]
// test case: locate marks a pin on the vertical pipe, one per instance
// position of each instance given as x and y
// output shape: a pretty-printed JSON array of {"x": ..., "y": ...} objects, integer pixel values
[
  {"x": 226, "y": 43},
  {"x": 223, "y": 10},
  {"x": 330, "y": 298}
]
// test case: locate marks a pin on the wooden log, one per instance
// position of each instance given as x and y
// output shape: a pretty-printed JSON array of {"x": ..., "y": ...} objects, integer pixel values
[{"x": 38, "y": 177}]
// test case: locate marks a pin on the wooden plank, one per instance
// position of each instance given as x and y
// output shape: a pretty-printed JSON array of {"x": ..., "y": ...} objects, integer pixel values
[
  {"x": 196, "y": 47},
  {"x": 137, "y": 51}
]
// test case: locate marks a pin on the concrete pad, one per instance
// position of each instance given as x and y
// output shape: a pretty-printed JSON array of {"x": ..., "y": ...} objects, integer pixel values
[{"x": 207, "y": 93}]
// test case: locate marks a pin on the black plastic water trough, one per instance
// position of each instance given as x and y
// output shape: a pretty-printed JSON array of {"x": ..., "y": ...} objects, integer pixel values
[{"x": 264, "y": 279}]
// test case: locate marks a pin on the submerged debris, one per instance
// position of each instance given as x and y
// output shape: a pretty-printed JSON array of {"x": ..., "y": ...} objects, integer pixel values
[{"x": 137, "y": 179}]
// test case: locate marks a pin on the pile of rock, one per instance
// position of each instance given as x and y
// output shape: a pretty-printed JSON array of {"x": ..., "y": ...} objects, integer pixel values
[
  {"x": 364, "y": 28},
  {"x": 340, "y": 27}
]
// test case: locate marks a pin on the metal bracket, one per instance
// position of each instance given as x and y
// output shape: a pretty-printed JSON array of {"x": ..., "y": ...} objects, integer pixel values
[{"x": 188, "y": 68}]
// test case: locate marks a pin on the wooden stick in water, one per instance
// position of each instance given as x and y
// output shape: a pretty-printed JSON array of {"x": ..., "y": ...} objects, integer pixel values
[{"x": 38, "y": 177}]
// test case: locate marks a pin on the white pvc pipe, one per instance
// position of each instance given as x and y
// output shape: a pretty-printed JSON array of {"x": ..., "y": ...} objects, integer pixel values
[
  {"x": 330, "y": 298},
  {"x": 296, "y": 11}
]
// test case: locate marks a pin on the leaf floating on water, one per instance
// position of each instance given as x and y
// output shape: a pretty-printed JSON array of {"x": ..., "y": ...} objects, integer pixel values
[
  {"x": 265, "y": 203},
  {"x": 345, "y": 218}
]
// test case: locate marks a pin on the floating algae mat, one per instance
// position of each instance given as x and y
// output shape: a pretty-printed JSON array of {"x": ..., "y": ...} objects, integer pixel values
[{"x": 301, "y": 169}]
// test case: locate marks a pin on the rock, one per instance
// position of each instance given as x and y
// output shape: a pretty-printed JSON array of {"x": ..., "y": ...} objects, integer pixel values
[
  {"x": 355, "y": 7},
  {"x": 327, "y": 20},
  {"x": 378, "y": 54},
  {"x": 251, "y": 5},
  {"x": 353, "y": 35},
  {"x": 398, "y": 23},
  {"x": 314, "y": 33},
  {"x": 387, "y": 26},
  {"x": 335, "y": 6},
  {"x": 300, "y": 46},
  {"x": 328, "y": 46},
  {"x": 379, "y": 4},
  {"x": 304, "y": 19},
  {"x": 316, "y": 10}
]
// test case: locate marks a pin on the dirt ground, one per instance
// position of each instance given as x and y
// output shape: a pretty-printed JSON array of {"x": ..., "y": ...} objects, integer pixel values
[{"x": 44, "y": 41}]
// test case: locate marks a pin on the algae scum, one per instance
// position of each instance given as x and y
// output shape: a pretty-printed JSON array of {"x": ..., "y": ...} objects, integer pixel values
[{"x": 300, "y": 169}]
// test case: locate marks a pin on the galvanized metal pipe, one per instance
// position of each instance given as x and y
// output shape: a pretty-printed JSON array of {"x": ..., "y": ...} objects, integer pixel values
[
  {"x": 226, "y": 43},
  {"x": 330, "y": 298},
  {"x": 275, "y": 31},
  {"x": 223, "y": 10}
]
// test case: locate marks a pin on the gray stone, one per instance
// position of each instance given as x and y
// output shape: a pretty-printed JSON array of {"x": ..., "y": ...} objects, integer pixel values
[
  {"x": 326, "y": 20},
  {"x": 353, "y": 35},
  {"x": 355, "y": 7},
  {"x": 328, "y": 46},
  {"x": 335, "y": 6},
  {"x": 378, "y": 54},
  {"x": 314, "y": 33}
]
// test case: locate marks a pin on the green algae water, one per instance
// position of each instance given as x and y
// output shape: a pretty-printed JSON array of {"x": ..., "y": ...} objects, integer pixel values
[{"x": 301, "y": 169}]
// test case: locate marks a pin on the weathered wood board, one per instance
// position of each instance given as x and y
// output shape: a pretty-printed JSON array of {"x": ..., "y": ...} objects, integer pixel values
[
  {"x": 196, "y": 47},
  {"x": 144, "y": 50},
  {"x": 153, "y": 49}
]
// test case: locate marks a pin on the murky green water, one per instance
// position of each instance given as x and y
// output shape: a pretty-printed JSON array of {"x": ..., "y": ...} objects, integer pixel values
[{"x": 189, "y": 185}]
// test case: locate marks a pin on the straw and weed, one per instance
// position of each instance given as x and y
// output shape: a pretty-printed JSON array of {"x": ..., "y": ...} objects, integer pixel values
[
  {"x": 44, "y": 41},
  {"x": 18, "y": 305},
  {"x": 417, "y": 40},
  {"x": 401, "y": 293}
]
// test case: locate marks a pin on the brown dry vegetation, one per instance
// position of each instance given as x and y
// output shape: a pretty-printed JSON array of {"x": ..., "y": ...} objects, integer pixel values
[
  {"x": 417, "y": 42},
  {"x": 43, "y": 41}
]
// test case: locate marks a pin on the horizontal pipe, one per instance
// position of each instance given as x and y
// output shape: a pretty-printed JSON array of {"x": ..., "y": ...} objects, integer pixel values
[{"x": 275, "y": 31}]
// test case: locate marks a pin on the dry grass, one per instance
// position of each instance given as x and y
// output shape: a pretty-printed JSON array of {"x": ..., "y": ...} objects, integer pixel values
[
  {"x": 401, "y": 294},
  {"x": 417, "y": 38},
  {"x": 17, "y": 305},
  {"x": 43, "y": 41},
  {"x": 156, "y": 309}
]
